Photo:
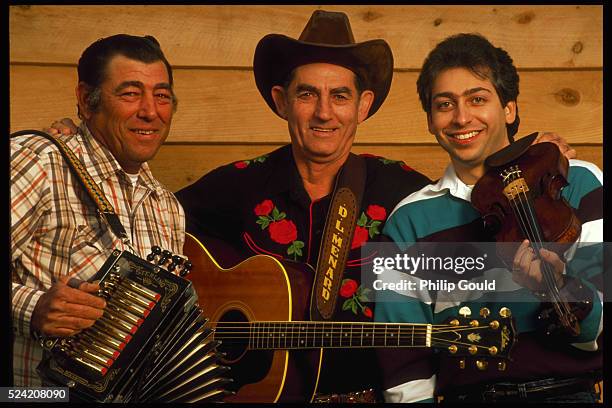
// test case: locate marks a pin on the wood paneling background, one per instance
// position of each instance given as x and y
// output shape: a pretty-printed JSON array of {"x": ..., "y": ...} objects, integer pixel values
[{"x": 221, "y": 117}]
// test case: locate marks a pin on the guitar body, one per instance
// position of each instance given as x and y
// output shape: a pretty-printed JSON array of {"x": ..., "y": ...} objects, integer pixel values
[
  {"x": 260, "y": 288},
  {"x": 260, "y": 312}
]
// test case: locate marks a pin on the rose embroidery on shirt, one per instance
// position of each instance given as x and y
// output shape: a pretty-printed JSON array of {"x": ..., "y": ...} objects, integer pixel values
[
  {"x": 356, "y": 295},
  {"x": 243, "y": 164},
  {"x": 281, "y": 230},
  {"x": 367, "y": 224}
]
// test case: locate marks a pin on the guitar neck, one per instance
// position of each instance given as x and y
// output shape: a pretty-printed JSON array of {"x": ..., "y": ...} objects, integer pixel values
[{"x": 308, "y": 335}]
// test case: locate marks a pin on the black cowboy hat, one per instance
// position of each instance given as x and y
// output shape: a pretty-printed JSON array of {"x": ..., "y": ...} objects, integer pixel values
[{"x": 327, "y": 38}]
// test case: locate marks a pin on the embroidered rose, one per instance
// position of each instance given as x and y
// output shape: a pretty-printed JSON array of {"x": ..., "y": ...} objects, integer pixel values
[
  {"x": 283, "y": 231},
  {"x": 349, "y": 286},
  {"x": 406, "y": 167},
  {"x": 242, "y": 164},
  {"x": 359, "y": 237},
  {"x": 264, "y": 208},
  {"x": 367, "y": 224},
  {"x": 376, "y": 212},
  {"x": 357, "y": 295}
]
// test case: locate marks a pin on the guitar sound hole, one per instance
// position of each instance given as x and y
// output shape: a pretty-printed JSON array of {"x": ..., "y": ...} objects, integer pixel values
[
  {"x": 233, "y": 331},
  {"x": 247, "y": 366}
]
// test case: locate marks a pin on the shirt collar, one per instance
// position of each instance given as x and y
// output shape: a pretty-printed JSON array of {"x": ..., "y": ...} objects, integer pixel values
[
  {"x": 451, "y": 182},
  {"x": 102, "y": 165}
]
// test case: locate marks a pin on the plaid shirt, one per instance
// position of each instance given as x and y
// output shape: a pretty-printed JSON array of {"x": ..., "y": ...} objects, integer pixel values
[{"x": 55, "y": 230}]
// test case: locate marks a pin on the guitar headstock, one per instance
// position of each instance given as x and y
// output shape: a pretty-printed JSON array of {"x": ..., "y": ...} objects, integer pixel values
[
  {"x": 483, "y": 337},
  {"x": 169, "y": 261}
]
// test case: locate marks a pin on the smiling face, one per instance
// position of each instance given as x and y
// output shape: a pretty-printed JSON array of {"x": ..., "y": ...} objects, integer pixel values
[
  {"x": 323, "y": 108},
  {"x": 135, "y": 110},
  {"x": 468, "y": 120}
]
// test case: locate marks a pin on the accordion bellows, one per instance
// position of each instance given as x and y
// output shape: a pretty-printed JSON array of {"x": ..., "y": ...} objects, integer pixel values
[{"x": 151, "y": 344}]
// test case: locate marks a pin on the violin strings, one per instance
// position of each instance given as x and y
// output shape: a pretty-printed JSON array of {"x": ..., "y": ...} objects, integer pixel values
[
  {"x": 547, "y": 273},
  {"x": 529, "y": 225}
]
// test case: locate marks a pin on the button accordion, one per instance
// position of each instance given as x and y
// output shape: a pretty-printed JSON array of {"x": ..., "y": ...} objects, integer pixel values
[{"x": 151, "y": 344}]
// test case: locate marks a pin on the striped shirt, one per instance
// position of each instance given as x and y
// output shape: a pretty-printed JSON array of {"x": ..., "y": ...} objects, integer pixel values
[
  {"x": 55, "y": 230},
  {"x": 442, "y": 212}
]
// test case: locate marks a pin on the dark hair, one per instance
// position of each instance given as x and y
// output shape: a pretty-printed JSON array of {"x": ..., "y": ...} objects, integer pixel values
[
  {"x": 95, "y": 58},
  {"x": 476, "y": 53}
]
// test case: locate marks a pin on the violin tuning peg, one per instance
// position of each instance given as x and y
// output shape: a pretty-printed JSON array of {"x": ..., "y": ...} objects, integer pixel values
[
  {"x": 151, "y": 257},
  {"x": 177, "y": 259},
  {"x": 156, "y": 250},
  {"x": 188, "y": 265}
]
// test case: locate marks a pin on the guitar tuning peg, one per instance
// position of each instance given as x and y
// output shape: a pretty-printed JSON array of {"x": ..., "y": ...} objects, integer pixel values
[
  {"x": 482, "y": 364},
  {"x": 484, "y": 312},
  {"x": 462, "y": 364},
  {"x": 505, "y": 312},
  {"x": 465, "y": 311}
]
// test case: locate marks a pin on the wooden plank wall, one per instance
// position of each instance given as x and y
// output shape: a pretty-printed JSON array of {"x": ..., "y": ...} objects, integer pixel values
[{"x": 221, "y": 117}]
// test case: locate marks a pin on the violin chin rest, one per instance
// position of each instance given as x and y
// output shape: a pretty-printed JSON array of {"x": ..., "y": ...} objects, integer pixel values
[{"x": 510, "y": 152}]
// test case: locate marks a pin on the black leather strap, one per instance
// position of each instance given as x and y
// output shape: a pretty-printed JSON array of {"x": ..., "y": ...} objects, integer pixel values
[{"x": 337, "y": 237}]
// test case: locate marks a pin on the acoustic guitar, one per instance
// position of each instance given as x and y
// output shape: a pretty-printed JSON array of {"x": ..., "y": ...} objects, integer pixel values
[{"x": 259, "y": 311}]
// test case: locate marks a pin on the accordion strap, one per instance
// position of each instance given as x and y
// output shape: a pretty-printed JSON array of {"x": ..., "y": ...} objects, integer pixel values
[
  {"x": 337, "y": 237},
  {"x": 105, "y": 209}
]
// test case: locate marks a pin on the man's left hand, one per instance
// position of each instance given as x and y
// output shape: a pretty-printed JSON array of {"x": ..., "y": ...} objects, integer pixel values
[
  {"x": 527, "y": 267},
  {"x": 561, "y": 143}
]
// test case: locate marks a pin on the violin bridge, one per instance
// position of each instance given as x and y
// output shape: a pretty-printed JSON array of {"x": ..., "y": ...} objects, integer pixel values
[{"x": 428, "y": 336}]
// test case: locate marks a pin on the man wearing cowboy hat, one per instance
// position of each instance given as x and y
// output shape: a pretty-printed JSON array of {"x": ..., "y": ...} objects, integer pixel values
[{"x": 324, "y": 85}]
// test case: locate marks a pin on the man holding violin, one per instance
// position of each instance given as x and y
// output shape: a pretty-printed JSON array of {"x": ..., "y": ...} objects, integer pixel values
[{"x": 469, "y": 90}]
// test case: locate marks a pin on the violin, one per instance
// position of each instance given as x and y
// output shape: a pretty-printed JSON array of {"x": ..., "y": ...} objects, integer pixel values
[{"x": 519, "y": 197}]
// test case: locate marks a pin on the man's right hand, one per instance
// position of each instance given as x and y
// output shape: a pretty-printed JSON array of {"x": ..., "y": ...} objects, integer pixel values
[
  {"x": 65, "y": 311},
  {"x": 62, "y": 127}
]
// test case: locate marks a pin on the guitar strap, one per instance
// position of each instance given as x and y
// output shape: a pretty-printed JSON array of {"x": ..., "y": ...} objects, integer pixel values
[
  {"x": 105, "y": 208},
  {"x": 337, "y": 237}
]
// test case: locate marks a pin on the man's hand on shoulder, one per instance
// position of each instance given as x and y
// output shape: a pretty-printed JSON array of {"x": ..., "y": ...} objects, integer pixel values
[
  {"x": 561, "y": 143},
  {"x": 65, "y": 311},
  {"x": 63, "y": 126}
]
